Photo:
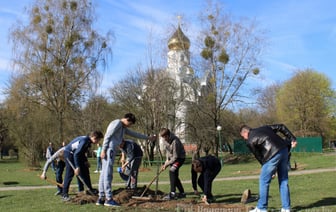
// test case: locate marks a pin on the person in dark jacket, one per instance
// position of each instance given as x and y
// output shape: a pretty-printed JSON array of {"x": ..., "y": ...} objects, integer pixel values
[
  {"x": 271, "y": 151},
  {"x": 131, "y": 156},
  {"x": 209, "y": 167},
  {"x": 175, "y": 157},
  {"x": 76, "y": 162}
]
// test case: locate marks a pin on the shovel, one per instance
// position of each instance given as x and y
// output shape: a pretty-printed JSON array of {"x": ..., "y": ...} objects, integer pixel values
[{"x": 141, "y": 197}]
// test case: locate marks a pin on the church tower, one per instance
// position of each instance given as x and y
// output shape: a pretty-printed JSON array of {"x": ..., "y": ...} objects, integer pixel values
[{"x": 180, "y": 71}]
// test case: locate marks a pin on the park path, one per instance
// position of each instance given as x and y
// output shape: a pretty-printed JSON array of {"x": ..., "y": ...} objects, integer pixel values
[{"x": 291, "y": 173}]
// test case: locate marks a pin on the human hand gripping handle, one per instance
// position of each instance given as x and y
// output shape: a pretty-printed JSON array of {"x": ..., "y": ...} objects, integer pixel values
[
  {"x": 43, "y": 176},
  {"x": 205, "y": 200},
  {"x": 77, "y": 171},
  {"x": 152, "y": 138}
]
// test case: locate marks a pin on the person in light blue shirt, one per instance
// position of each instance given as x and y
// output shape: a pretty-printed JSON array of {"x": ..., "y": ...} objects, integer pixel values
[
  {"x": 113, "y": 137},
  {"x": 99, "y": 162}
]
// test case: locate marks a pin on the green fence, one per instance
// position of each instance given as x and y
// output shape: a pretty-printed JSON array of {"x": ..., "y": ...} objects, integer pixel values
[{"x": 308, "y": 144}]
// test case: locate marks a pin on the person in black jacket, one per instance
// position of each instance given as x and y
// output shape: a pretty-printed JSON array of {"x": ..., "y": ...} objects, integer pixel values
[
  {"x": 209, "y": 166},
  {"x": 271, "y": 151}
]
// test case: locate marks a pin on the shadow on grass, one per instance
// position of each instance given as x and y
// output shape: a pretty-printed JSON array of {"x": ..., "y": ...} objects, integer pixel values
[
  {"x": 9, "y": 160},
  {"x": 10, "y": 183},
  {"x": 4, "y": 196},
  {"x": 328, "y": 201}
]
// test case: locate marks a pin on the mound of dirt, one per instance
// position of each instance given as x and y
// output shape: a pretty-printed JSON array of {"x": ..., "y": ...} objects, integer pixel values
[
  {"x": 84, "y": 198},
  {"x": 123, "y": 196},
  {"x": 153, "y": 201}
]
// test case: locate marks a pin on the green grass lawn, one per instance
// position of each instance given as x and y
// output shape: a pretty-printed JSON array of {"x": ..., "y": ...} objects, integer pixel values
[{"x": 309, "y": 192}]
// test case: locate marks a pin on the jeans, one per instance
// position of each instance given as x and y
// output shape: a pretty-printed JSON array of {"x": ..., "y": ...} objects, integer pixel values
[
  {"x": 132, "y": 170},
  {"x": 106, "y": 175},
  {"x": 277, "y": 163}
]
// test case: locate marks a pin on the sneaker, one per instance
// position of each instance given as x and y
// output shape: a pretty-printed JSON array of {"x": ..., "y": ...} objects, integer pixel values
[
  {"x": 285, "y": 210},
  {"x": 181, "y": 195},
  {"x": 100, "y": 201},
  {"x": 58, "y": 193},
  {"x": 66, "y": 198},
  {"x": 170, "y": 196},
  {"x": 112, "y": 203},
  {"x": 96, "y": 171},
  {"x": 258, "y": 210}
]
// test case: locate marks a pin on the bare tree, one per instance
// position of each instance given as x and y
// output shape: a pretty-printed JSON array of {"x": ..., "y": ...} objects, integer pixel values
[
  {"x": 230, "y": 54},
  {"x": 58, "y": 53},
  {"x": 150, "y": 95},
  {"x": 267, "y": 103}
]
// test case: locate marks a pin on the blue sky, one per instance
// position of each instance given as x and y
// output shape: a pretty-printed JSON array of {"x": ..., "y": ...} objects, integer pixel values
[{"x": 301, "y": 34}]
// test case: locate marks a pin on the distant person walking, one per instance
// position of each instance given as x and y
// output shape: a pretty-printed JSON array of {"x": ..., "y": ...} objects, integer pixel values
[
  {"x": 272, "y": 153},
  {"x": 99, "y": 161},
  {"x": 49, "y": 152}
]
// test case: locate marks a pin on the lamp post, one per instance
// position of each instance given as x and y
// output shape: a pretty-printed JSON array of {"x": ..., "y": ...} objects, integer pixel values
[{"x": 219, "y": 128}]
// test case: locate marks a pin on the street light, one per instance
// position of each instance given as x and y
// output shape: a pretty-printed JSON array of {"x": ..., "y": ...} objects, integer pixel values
[{"x": 219, "y": 128}]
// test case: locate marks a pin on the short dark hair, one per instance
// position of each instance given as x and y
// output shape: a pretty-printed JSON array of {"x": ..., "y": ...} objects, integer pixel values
[
  {"x": 164, "y": 132},
  {"x": 97, "y": 134},
  {"x": 197, "y": 165},
  {"x": 244, "y": 127},
  {"x": 130, "y": 117}
]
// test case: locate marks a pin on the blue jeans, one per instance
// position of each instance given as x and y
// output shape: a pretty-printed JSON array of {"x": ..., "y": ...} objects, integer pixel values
[
  {"x": 106, "y": 175},
  {"x": 132, "y": 170},
  {"x": 277, "y": 163}
]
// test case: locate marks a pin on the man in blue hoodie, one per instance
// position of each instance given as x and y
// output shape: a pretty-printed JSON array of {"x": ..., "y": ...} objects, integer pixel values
[{"x": 76, "y": 162}]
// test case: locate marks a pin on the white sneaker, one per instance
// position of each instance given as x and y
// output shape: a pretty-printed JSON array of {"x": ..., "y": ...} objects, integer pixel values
[
  {"x": 258, "y": 210},
  {"x": 96, "y": 171},
  {"x": 285, "y": 210}
]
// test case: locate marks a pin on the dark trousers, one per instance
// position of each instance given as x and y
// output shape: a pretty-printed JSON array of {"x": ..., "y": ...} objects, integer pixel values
[
  {"x": 175, "y": 181},
  {"x": 85, "y": 174},
  {"x": 59, "y": 173},
  {"x": 210, "y": 179},
  {"x": 69, "y": 174}
]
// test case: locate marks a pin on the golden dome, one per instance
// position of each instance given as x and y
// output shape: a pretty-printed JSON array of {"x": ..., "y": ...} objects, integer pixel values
[{"x": 178, "y": 41}]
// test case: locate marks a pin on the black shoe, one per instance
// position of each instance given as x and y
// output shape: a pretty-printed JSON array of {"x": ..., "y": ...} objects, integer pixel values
[{"x": 181, "y": 195}]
